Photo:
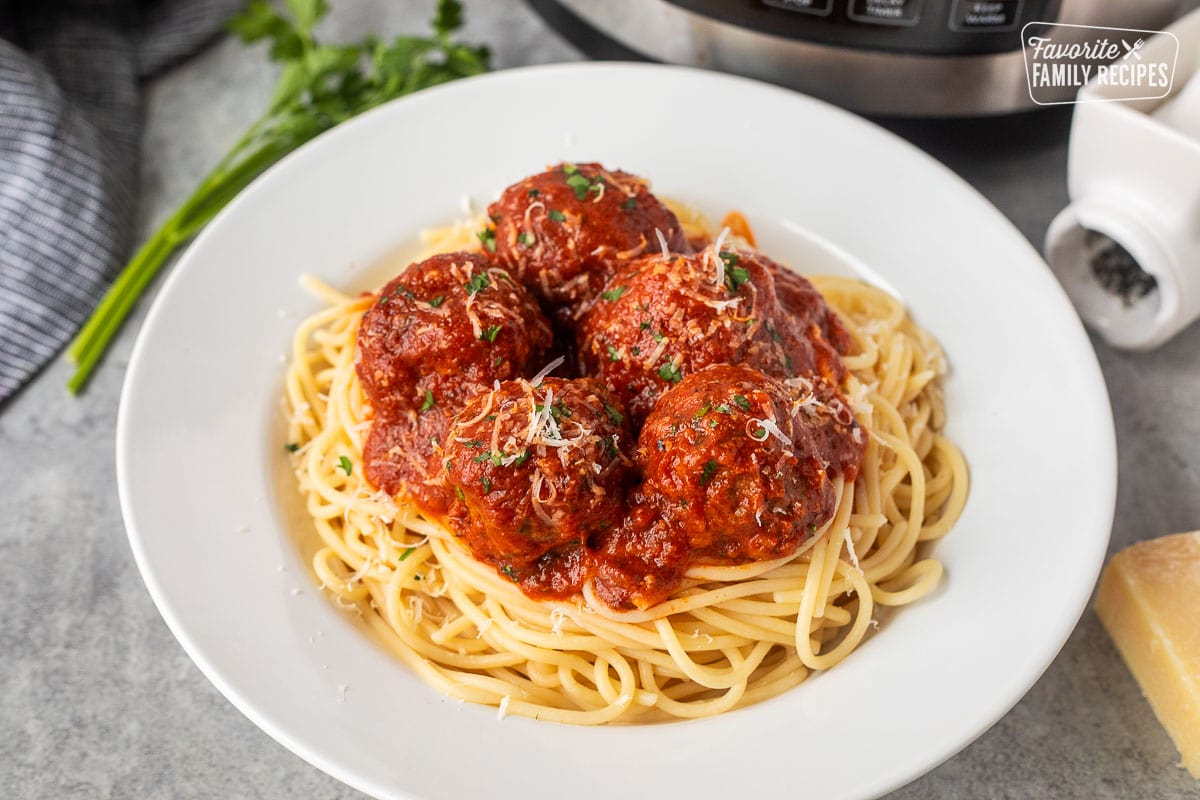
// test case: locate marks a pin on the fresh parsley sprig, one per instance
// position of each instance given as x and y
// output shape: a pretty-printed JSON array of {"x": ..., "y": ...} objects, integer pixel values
[{"x": 320, "y": 86}]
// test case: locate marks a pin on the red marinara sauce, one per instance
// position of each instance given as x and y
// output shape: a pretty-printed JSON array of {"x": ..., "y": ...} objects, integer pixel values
[{"x": 706, "y": 425}]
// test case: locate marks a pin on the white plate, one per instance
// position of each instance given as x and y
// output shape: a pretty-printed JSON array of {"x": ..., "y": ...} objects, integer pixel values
[{"x": 211, "y": 510}]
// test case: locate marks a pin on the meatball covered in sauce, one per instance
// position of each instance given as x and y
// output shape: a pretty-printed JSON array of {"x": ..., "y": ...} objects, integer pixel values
[
  {"x": 536, "y": 471},
  {"x": 665, "y": 317},
  {"x": 445, "y": 329},
  {"x": 400, "y": 457},
  {"x": 438, "y": 333},
  {"x": 566, "y": 230},
  {"x": 825, "y": 336},
  {"x": 737, "y": 467}
]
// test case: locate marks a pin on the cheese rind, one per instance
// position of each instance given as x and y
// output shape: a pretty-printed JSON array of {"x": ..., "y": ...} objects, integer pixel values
[{"x": 1149, "y": 600}]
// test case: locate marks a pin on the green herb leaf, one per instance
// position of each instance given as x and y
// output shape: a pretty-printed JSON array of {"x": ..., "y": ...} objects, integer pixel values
[
  {"x": 742, "y": 402},
  {"x": 614, "y": 414},
  {"x": 487, "y": 237},
  {"x": 534, "y": 192},
  {"x": 487, "y": 484},
  {"x": 407, "y": 553},
  {"x": 613, "y": 294},
  {"x": 292, "y": 447},
  {"x": 735, "y": 277},
  {"x": 704, "y": 409},
  {"x": 556, "y": 215},
  {"x": 509, "y": 572},
  {"x": 437, "y": 301},
  {"x": 670, "y": 372},
  {"x": 489, "y": 334},
  {"x": 630, "y": 204},
  {"x": 580, "y": 184},
  {"x": 345, "y": 464},
  {"x": 478, "y": 283},
  {"x": 710, "y": 469},
  {"x": 526, "y": 238},
  {"x": 613, "y": 353},
  {"x": 429, "y": 401}
]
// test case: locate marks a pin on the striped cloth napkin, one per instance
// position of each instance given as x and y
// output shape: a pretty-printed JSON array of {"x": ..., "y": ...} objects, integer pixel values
[{"x": 69, "y": 135}]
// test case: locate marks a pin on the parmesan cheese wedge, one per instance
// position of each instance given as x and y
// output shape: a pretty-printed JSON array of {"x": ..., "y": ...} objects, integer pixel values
[{"x": 1149, "y": 600}]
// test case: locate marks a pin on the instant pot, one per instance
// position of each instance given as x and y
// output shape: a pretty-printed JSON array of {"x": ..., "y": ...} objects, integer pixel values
[{"x": 896, "y": 57}]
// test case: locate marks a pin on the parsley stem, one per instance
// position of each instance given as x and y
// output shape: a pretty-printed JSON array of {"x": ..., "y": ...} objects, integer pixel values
[{"x": 213, "y": 194}]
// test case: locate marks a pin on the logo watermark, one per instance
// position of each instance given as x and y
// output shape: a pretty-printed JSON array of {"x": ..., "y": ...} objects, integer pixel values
[{"x": 1121, "y": 63}]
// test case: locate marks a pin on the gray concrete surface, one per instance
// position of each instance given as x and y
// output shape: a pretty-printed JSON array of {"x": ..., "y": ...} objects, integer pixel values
[{"x": 97, "y": 700}]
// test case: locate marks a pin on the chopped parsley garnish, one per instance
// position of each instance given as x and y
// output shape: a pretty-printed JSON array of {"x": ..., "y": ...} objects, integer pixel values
[
  {"x": 735, "y": 277},
  {"x": 437, "y": 301},
  {"x": 760, "y": 435},
  {"x": 497, "y": 458},
  {"x": 487, "y": 484},
  {"x": 742, "y": 402},
  {"x": 489, "y": 333},
  {"x": 521, "y": 459},
  {"x": 429, "y": 401},
  {"x": 477, "y": 283},
  {"x": 407, "y": 553},
  {"x": 724, "y": 409},
  {"x": 557, "y": 410},
  {"x": 475, "y": 444},
  {"x": 580, "y": 184},
  {"x": 670, "y": 372},
  {"x": 534, "y": 192},
  {"x": 613, "y": 294},
  {"x": 704, "y": 409},
  {"x": 292, "y": 447},
  {"x": 658, "y": 337},
  {"x": 610, "y": 447},
  {"x": 458, "y": 492},
  {"x": 645, "y": 326},
  {"x": 614, "y": 414},
  {"x": 613, "y": 353},
  {"x": 635, "y": 350},
  {"x": 488, "y": 237},
  {"x": 710, "y": 469},
  {"x": 496, "y": 361},
  {"x": 509, "y": 572},
  {"x": 569, "y": 169},
  {"x": 556, "y": 215},
  {"x": 345, "y": 464},
  {"x": 630, "y": 204},
  {"x": 526, "y": 238}
]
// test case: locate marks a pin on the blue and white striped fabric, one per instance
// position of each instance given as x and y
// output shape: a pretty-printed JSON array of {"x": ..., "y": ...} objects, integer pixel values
[{"x": 69, "y": 133}]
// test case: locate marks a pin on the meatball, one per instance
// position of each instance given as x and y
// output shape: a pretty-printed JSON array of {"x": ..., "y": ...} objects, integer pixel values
[
  {"x": 720, "y": 454},
  {"x": 566, "y": 230},
  {"x": 400, "y": 457},
  {"x": 823, "y": 336},
  {"x": 737, "y": 467},
  {"x": 444, "y": 330},
  {"x": 665, "y": 317},
  {"x": 536, "y": 471}
]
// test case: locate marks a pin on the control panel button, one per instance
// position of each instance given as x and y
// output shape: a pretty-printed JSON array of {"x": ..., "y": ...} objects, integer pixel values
[
  {"x": 885, "y": 12},
  {"x": 821, "y": 8},
  {"x": 985, "y": 15}
]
